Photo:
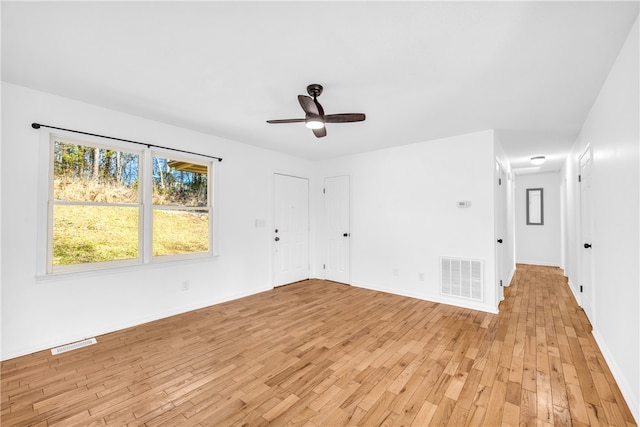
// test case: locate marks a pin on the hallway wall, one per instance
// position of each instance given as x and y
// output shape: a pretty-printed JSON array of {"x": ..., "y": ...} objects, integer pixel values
[
  {"x": 538, "y": 244},
  {"x": 612, "y": 131}
]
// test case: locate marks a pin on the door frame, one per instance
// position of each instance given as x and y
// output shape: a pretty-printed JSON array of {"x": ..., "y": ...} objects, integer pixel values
[
  {"x": 585, "y": 297},
  {"x": 273, "y": 219},
  {"x": 325, "y": 227},
  {"x": 500, "y": 230}
]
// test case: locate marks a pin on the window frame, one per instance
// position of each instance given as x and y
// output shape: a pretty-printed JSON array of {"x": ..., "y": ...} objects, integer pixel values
[
  {"x": 145, "y": 205},
  {"x": 52, "y": 203},
  {"x": 209, "y": 207}
]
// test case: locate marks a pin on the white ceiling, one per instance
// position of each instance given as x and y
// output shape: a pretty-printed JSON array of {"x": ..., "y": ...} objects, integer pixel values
[{"x": 419, "y": 70}]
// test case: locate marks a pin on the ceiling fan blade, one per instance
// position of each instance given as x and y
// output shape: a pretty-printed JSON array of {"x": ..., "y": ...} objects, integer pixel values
[
  {"x": 286, "y": 121},
  {"x": 308, "y": 105},
  {"x": 344, "y": 118},
  {"x": 319, "y": 133}
]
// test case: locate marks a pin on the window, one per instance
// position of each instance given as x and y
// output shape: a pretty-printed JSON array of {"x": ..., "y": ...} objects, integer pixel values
[
  {"x": 181, "y": 209},
  {"x": 116, "y": 205}
]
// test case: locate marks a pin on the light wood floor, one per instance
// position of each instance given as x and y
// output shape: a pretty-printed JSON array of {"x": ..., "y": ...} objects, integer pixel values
[{"x": 323, "y": 354}]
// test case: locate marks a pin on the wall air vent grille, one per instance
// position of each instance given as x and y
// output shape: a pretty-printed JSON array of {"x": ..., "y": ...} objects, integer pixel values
[
  {"x": 461, "y": 277},
  {"x": 73, "y": 346}
]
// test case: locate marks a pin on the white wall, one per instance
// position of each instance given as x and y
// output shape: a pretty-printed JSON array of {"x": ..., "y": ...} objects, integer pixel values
[
  {"x": 404, "y": 210},
  {"x": 404, "y": 214},
  {"x": 538, "y": 244},
  {"x": 39, "y": 314},
  {"x": 612, "y": 130}
]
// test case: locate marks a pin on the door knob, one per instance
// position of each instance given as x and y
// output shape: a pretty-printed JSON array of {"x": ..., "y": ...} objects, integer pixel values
[
  {"x": 277, "y": 239},
  {"x": 587, "y": 245},
  {"x": 499, "y": 240},
  {"x": 345, "y": 235}
]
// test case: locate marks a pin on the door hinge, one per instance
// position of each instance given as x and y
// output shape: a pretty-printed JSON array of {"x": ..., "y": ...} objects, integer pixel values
[
  {"x": 579, "y": 178},
  {"x": 580, "y": 288},
  {"x": 324, "y": 266},
  {"x": 500, "y": 282},
  {"x": 499, "y": 181},
  {"x": 324, "y": 191}
]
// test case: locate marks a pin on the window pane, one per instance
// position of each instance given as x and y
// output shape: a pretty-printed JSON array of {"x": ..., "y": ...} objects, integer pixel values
[
  {"x": 83, "y": 234},
  {"x": 177, "y": 183},
  {"x": 92, "y": 174},
  {"x": 180, "y": 231}
]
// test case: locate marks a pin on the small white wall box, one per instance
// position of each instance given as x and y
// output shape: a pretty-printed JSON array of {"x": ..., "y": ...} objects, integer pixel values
[{"x": 464, "y": 204}]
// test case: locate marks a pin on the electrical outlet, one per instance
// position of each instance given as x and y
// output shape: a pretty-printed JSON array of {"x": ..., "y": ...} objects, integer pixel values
[
  {"x": 185, "y": 285},
  {"x": 421, "y": 277},
  {"x": 396, "y": 272}
]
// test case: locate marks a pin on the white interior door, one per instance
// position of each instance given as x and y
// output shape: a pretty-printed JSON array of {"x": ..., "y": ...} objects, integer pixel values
[
  {"x": 586, "y": 232},
  {"x": 291, "y": 229},
  {"x": 337, "y": 229},
  {"x": 501, "y": 237}
]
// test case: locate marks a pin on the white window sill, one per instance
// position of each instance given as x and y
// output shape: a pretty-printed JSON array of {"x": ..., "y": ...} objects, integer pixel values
[{"x": 94, "y": 272}]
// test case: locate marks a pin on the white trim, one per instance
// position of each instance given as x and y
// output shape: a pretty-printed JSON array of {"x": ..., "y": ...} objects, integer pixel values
[
  {"x": 629, "y": 394},
  {"x": 63, "y": 339},
  {"x": 214, "y": 178},
  {"x": 180, "y": 208},
  {"x": 468, "y": 304},
  {"x": 104, "y": 204},
  {"x": 44, "y": 176},
  {"x": 590, "y": 295},
  {"x": 145, "y": 246},
  {"x": 536, "y": 262},
  {"x": 120, "y": 269},
  {"x": 155, "y": 259},
  {"x": 324, "y": 239},
  {"x": 273, "y": 218},
  {"x": 500, "y": 219},
  {"x": 209, "y": 208},
  {"x": 574, "y": 291},
  {"x": 510, "y": 279}
]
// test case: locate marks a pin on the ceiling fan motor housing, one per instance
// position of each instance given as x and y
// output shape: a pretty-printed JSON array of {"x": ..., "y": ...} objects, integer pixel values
[{"x": 314, "y": 90}]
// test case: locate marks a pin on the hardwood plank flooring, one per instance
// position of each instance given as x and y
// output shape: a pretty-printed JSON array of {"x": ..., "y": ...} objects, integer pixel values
[{"x": 319, "y": 353}]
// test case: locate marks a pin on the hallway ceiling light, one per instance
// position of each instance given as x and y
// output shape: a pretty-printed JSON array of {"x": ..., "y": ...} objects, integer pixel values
[{"x": 538, "y": 160}]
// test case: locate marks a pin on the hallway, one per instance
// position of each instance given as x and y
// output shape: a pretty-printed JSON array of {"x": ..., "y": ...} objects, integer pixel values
[{"x": 564, "y": 376}]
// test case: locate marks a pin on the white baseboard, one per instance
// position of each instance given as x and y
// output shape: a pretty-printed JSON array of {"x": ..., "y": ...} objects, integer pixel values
[
  {"x": 575, "y": 292},
  {"x": 511, "y": 274},
  {"x": 538, "y": 262},
  {"x": 472, "y": 305},
  {"x": 62, "y": 340},
  {"x": 630, "y": 395}
]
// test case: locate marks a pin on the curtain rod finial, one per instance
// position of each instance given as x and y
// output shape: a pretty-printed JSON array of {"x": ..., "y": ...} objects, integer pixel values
[{"x": 35, "y": 125}]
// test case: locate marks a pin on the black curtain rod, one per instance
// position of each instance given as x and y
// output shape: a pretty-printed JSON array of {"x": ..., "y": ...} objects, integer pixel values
[{"x": 39, "y": 125}]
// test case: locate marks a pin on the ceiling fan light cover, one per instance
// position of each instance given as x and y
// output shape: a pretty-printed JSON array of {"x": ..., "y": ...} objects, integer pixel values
[{"x": 314, "y": 123}]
